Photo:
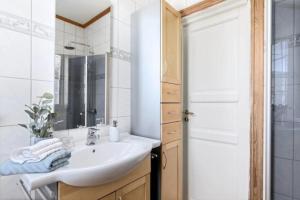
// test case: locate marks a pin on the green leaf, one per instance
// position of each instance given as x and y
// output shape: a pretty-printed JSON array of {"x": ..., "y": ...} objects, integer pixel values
[
  {"x": 23, "y": 125},
  {"x": 48, "y": 101},
  {"x": 47, "y": 95},
  {"x": 31, "y": 114},
  {"x": 29, "y": 107},
  {"x": 43, "y": 111},
  {"x": 35, "y": 109}
]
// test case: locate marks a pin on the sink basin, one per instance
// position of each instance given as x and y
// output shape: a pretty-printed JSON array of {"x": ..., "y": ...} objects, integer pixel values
[{"x": 95, "y": 165}]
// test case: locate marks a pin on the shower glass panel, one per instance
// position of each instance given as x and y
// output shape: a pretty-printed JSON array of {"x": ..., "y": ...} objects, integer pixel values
[
  {"x": 285, "y": 132},
  {"x": 95, "y": 89},
  {"x": 80, "y": 91},
  {"x": 69, "y": 91}
]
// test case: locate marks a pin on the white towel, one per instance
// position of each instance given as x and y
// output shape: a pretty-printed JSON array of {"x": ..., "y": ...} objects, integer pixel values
[{"x": 36, "y": 152}]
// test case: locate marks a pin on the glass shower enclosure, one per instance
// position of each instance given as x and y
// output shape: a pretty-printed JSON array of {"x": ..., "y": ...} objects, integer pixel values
[
  {"x": 80, "y": 90},
  {"x": 285, "y": 101}
]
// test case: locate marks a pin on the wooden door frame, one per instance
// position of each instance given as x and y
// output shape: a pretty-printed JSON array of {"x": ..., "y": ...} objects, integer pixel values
[
  {"x": 257, "y": 94},
  {"x": 256, "y": 184}
]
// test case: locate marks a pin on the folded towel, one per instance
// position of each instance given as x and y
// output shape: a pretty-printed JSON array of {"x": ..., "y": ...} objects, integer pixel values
[
  {"x": 36, "y": 152},
  {"x": 52, "y": 162}
]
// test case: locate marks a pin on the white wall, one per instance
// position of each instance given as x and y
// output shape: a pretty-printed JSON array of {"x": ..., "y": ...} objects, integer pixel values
[
  {"x": 27, "y": 30},
  {"x": 26, "y": 70},
  {"x": 97, "y": 35}
]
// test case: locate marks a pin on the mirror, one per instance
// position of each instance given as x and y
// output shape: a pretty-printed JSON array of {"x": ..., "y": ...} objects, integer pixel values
[{"x": 82, "y": 44}]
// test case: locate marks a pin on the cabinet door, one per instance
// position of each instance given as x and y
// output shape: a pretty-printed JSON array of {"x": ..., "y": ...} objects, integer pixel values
[
  {"x": 171, "y": 66},
  {"x": 137, "y": 190},
  {"x": 171, "y": 188},
  {"x": 109, "y": 197}
]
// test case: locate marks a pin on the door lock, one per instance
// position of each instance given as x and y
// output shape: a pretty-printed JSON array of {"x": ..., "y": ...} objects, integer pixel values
[{"x": 187, "y": 113}]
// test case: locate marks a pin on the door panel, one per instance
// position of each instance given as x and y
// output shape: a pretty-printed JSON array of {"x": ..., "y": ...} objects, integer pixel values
[{"x": 218, "y": 76}]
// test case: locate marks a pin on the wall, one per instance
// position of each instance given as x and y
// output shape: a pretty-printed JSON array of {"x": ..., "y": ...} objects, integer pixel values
[
  {"x": 97, "y": 35},
  {"x": 285, "y": 159},
  {"x": 26, "y": 70}
]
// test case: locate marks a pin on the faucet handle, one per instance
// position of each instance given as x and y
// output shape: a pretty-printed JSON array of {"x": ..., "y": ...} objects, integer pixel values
[{"x": 92, "y": 131}]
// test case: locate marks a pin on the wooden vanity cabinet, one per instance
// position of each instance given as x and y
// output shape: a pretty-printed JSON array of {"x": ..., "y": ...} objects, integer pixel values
[
  {"x": 171, "y": 44},
  {"x": 139, "y": 189},
  {"x": 134, "y": 186},
  {"x": 109, "y": 197},
  {"x": 171, "y": 105},
  {"x": 171, "y": 171}
]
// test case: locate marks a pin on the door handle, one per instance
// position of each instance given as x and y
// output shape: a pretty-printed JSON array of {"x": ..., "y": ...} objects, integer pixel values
[{"x": 187, "y": 113}]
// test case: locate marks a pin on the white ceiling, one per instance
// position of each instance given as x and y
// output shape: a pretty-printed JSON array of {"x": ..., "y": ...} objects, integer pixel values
[{"x": 81, "y": 10}]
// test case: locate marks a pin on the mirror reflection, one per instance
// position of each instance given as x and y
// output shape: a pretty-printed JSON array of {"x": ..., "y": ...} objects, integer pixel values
[{"x": 81, "y": 47}]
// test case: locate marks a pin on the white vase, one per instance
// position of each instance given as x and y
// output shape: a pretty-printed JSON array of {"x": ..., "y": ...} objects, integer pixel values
[{"x": 34, "y": 139}]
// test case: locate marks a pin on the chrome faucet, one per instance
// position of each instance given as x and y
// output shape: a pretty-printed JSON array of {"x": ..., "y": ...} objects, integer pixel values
[{"x": 92, "y": 137}]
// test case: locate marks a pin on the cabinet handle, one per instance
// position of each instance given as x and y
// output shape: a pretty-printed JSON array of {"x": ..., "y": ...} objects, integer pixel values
[
  {"x": 166, "y": 160},
  {"x": 120, "y": 198}
]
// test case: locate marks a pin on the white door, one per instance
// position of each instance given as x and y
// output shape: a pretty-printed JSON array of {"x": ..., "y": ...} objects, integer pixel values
[{"x": 217, "y": 60}]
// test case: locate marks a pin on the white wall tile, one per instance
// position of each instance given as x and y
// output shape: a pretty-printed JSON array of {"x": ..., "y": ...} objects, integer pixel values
[
  {"x": 40, "y": 87},
  {"x": 68, "y": 38},
  {"x": 113, "y": 102},
  {"x": 15, "y": 61},
  {"x": 13, "y": 137},
  {"x": 14, "y": 94},
  {"x": 42, "y": 59},
  {"x": 79, "y": 32},
  {"x": 115, "y": 33},
  {"x": 124, "y": 37},
  {"x": 17, "y": 7},
  {"x": 124, "y": 74},
  {"x": 126, "y": 8},
  {"x": 59, "y": 37},
  {"x": 70, "y": 28},
  {"x": 124, "y": 124},
  {"x": 114, "y": 73},
  {"x": 43, "y": 12},
  {"x": 59, "y": 25},
  {"x": 124, "y": 102},
  {"x": 59, "y": 49}
]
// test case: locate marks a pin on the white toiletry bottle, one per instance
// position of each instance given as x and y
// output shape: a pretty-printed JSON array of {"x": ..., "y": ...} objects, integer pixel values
[{"x": 114, "y": 134}]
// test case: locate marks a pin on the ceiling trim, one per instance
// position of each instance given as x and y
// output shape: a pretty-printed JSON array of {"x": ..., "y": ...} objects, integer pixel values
[
  {"x": 199, "y": 6},
  {"x": 89, "y": 22},
  {"x": 101, "y": 14},
  {"x": 69, "y": 21}
]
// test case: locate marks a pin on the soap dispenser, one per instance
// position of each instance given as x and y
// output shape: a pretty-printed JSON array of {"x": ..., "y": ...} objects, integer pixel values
[{"x": 114, "y": 134}]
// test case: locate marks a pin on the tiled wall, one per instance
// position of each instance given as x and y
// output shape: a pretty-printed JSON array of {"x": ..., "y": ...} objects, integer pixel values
[
  {"x": 97, "y": 35},
  {"x": 26, "y": 70},
  {"x": 286, "y": 100}
]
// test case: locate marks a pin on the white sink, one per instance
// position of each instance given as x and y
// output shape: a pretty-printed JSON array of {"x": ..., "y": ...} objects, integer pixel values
[
  {"x": 98, "y": 164},
  {"x": 95, "y": 165}
]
